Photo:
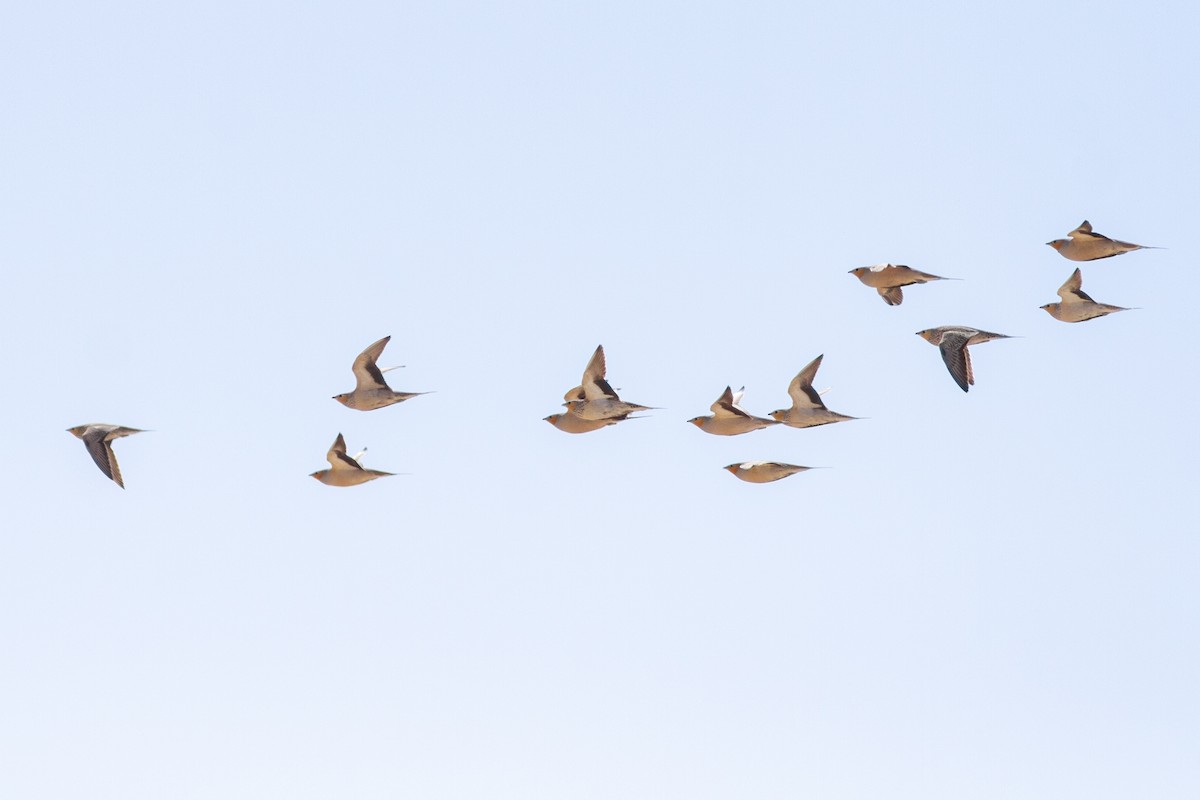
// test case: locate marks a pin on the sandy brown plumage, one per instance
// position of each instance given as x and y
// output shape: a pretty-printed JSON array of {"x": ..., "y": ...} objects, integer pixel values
[
  {"x": 888, "y": 278},
  {"x": 1077, "y": 305},
  {"x": 344, "y": 470},
  {"x": 729, "y": 418},
  {"x": 1084, "y": 244}
]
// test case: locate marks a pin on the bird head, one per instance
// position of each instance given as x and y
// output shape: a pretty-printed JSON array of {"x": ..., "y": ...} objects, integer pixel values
[{"x": 931, "y": 335}]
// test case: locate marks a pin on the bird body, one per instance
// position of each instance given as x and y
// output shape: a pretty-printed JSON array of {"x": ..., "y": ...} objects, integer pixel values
[
  {"x": 573, "y": 423},
  {"x": 952, "y": 341},
  {"x": 808, "y": 409},
  {"x": 888, "y": 278},
  {"x": 1084, "y": 244},
  {"x": 98, "y": 438},
  {"x": 730, "y": 419},
  {"x": 1076, "y": 305},
  {"x": 344, "y": 470},
  {"x": 371, "y": 390},
  {"x": 763, "y": 471}
]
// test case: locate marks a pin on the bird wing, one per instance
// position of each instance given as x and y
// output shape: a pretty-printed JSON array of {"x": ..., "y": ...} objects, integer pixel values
[
  {"x": 599, "y": 389},
  {"x": 594, "y": 385},
  {"x": 958, "y": 360},
  {"x": 1085, "y": 230},
  {"x": 596, "y": 368},
  {"x": 727, "y": 404},
  {"x": 343, "y": 461},
  {"x": 112, "y": 462},
  {"x": 366, "y": 371},
  {"x": 337, "y": 457},
  {"x": 102, "y": 453},
  {"x": 1071, "y": 291},
  {"x": 801, "y": 389},
  {"x": 893, "y": 295}
]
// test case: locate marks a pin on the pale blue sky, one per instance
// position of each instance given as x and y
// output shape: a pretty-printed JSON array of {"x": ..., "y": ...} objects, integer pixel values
[{"x": 209, "y": 211}]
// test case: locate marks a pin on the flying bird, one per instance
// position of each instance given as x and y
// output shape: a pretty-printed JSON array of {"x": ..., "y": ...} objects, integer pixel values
[
  {"x": 371, "y": 390},
  {"x": 344, "y": 470},
  {"x": 1084, "y": 244},
  {"x": 1076, "y": 305},
  {"x": 888, "y": 278},
  {"x": 98, "y": 438},
  {"x": 594, "y": 399},
  {"x": 953, "y": 341},
  {"x": 728, "y": 418},
  {"x": 763, "y": 471},
  {"x": 808, "y": 410}
]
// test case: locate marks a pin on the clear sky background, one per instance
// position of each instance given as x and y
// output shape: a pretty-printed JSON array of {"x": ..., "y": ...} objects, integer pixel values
[{"x": 209, "y": 210}]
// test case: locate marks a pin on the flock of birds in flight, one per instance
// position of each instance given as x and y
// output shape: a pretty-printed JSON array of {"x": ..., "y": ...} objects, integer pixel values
[{"x": 594, "y": 404}]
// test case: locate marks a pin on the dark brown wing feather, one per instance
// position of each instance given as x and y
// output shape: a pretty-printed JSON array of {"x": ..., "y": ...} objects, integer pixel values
[
  {"x": 958, "y": 361},
  {"x": 102, "y": 454}
]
